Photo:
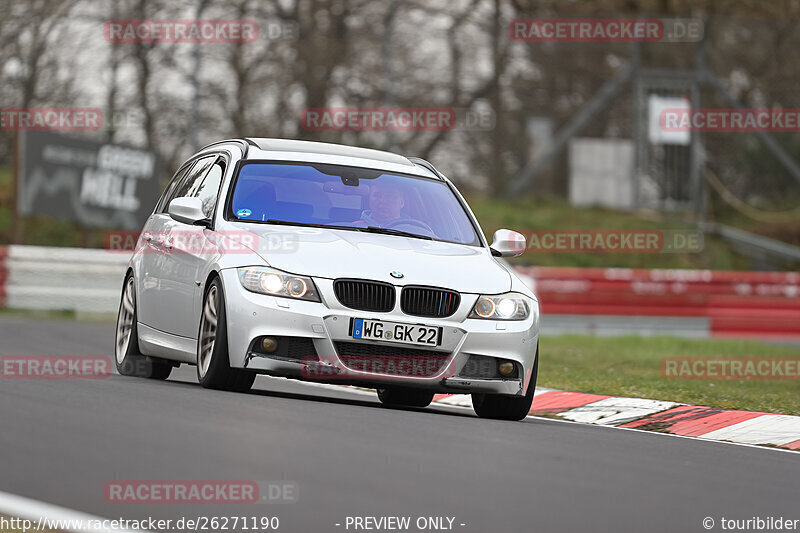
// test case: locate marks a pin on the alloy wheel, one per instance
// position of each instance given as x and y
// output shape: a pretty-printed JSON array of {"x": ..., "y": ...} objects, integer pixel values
[
  {"x": 127, "y": 314},
  {"x": 208, "y": 331}
]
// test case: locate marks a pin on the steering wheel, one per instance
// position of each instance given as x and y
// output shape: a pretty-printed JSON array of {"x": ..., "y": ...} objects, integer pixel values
[{"x": 410, "y": 222}]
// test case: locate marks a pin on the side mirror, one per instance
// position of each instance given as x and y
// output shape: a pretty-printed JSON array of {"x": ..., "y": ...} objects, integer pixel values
[
  {"x": 187, "y": 210},
  {"x": 507, "y": 243}
]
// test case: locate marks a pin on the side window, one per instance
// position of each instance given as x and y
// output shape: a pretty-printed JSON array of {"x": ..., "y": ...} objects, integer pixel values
[
  {"x": 187, "y": 184},
  {"x": 207, "y": 188}
]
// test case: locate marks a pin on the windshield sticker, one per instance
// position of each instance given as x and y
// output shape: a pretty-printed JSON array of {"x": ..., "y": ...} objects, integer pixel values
[{"x": 243, "y": 213}]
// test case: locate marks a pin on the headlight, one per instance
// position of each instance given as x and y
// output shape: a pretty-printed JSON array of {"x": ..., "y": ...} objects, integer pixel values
[
  {"x": 509, "y": 306},
  {"x": 265, "y": 280}
]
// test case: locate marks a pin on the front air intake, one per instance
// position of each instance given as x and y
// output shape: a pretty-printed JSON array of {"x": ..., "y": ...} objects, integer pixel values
[
  {"x": 365, "y": 295},
  {"x": 429, "y": 302}
]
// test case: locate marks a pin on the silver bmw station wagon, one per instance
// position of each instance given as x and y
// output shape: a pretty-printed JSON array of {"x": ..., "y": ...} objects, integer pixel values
[{"x": 328, "y": 263}]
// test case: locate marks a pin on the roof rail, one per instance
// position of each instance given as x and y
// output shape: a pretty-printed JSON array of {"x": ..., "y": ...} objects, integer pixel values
[
  {"x": 243, "y": 144},
  {"x": 425, "y": 164}
]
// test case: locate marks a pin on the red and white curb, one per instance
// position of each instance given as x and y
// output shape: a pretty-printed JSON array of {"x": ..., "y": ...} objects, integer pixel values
[
  {"x": 744, "y": 427},
  {"x": 673, "y": 418}
]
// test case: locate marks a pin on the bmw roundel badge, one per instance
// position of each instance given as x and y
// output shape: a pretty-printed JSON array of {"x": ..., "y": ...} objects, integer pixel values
[{"x": 396, "y": 274}]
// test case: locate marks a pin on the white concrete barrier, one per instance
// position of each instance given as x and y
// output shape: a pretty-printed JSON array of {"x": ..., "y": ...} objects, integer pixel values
[{"x": 53, "y": 278}]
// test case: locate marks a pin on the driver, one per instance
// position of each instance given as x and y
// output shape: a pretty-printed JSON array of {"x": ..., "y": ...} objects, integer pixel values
[{"x": 386, "y": 200}]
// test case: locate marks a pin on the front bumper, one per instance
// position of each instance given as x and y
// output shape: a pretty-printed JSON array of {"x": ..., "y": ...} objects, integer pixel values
[{"x": 251, "y": 315}]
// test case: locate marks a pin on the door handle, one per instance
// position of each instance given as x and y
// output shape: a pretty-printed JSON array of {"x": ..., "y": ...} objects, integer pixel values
[{"x": 156, "y": 243}]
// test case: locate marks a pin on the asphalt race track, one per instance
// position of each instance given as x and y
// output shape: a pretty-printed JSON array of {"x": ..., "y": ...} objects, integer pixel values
[{"x": 63, "y": 440}]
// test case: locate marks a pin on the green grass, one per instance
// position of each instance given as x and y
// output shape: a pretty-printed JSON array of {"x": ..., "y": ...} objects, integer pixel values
[
  {"x": 631, "y": 367},
  {"x": 39, "y": 314},
  {"x": 544, "y": 214}
]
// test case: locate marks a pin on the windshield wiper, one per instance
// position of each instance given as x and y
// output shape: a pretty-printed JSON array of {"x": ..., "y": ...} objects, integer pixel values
[
  {"x": 390, "y": 231},
  {"x": 301, "y": 224},
  {"x": 368, "y": 229}
]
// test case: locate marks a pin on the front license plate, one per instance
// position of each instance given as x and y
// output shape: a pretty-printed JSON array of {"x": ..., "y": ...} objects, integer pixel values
[{"x": 378, "y": 330}]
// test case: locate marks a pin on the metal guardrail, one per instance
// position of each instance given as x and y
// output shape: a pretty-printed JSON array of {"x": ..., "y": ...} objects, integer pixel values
[{"x": 755, "y": 245}]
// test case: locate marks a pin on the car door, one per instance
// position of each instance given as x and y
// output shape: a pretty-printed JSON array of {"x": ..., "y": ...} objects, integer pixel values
[
  {"x": 162, "y": 295},
  {"x": 190, "y": 249},
  {"x": 152, "y": 252}
]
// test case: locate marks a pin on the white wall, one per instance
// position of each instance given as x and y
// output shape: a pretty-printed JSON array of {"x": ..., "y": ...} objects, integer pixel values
[{"x": 600, "y": 173}]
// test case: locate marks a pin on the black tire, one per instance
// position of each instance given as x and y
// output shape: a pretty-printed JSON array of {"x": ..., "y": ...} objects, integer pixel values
[
  {"x": 402, "y": 397},
  {"x": 502, "y": 407},
  {"x": 127, "y": 357},
  {"x": 214, "y": 369}
]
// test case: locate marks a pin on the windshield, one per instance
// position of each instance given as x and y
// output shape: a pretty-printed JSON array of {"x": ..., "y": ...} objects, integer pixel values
[{"x": 350, "y": 197}]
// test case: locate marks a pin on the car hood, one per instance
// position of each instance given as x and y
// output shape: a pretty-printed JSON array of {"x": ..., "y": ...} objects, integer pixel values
[{"x": 330, "y": 253}]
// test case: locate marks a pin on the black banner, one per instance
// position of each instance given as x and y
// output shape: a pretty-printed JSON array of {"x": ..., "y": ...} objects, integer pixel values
[{"x": 96, "y": 184}]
